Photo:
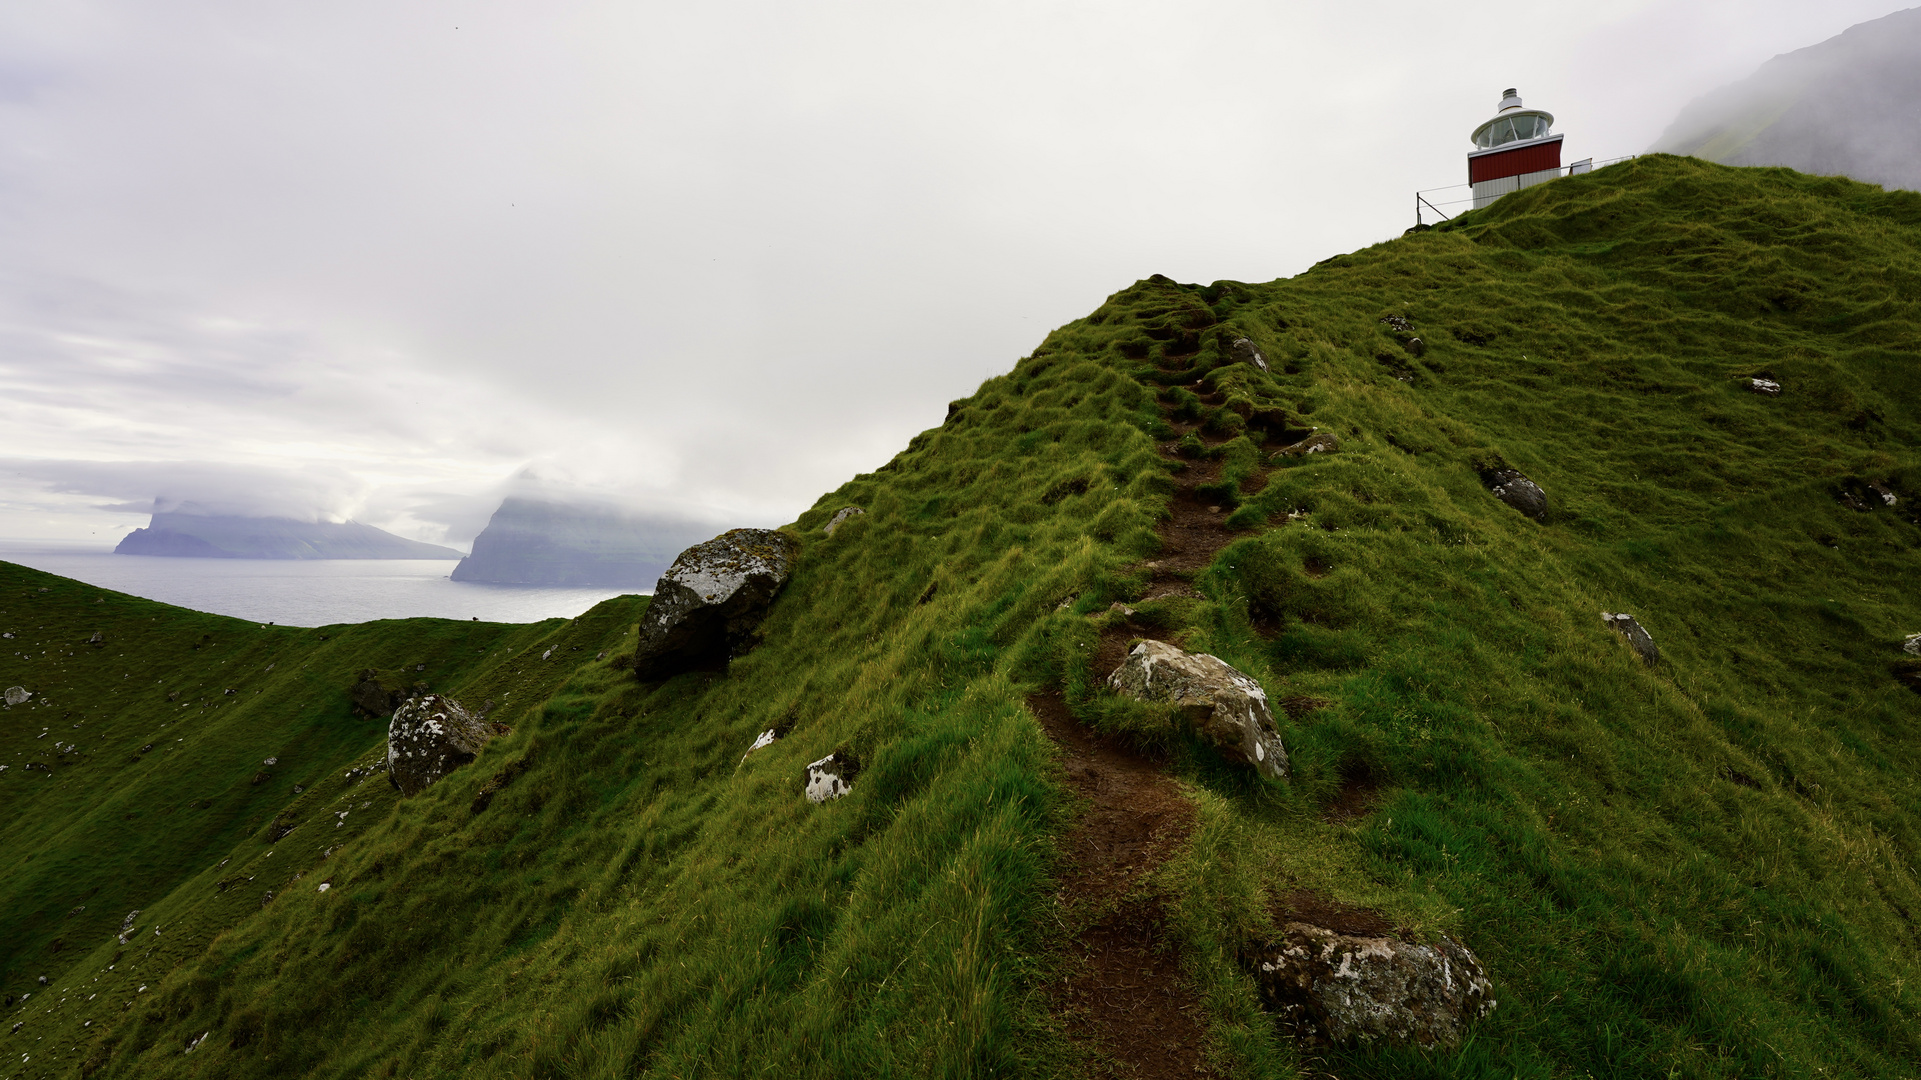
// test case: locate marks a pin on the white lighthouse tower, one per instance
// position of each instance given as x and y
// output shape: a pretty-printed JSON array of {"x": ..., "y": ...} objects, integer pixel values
[{"x": 1512, "y": 151}]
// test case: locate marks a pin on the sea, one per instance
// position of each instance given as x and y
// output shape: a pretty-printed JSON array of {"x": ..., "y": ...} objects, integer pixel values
[{"x": 310, "y": 592}]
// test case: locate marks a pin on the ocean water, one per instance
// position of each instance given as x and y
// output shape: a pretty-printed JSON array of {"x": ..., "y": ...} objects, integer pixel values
[{"x": 312, "y": 592}]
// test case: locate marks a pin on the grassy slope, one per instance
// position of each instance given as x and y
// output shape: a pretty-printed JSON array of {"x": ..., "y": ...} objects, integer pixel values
[{"x": 1703, "y": 869}]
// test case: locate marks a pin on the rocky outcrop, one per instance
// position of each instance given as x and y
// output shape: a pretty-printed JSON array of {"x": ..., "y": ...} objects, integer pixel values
[
  {"x": 431, "y": 736},
  {"x": 1516, "y": 490},
  {"x": 378, "y": 695},
  {"x": 1636, "y": 635},
  {"x": 831, "y": 777},
  {"x": 1243, "y": 351},
  {"x": 1225, "y": 707},
  {"x": 1347, "y": 989},
  {"x": 709, "y": 604},
  {"x": 1321, "y": 442},
  {"x": 840, "y": 516}
]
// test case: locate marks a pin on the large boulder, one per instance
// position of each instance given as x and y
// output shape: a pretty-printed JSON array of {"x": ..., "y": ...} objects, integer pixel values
[
  {"x": 377, "y": 695},
  {"x": 709, "y": 603},
  {"x": 1516, "y": 490},
  {"x": 1347, "y": 989},
  {"x": 431, "y": 736},
  {"x": 1226, "y": 707},
  {"x": 1636, "y": 635}
]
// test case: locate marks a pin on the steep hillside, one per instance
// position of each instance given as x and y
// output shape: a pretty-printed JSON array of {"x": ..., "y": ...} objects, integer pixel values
[
  {"x": 1844, "y": 107},
  {"x": 550, "y": 542},
  {"x": 1698, "y": 868}
]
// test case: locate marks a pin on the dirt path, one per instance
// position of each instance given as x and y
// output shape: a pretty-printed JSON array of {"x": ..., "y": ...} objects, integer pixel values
[{"x": 1126, "y": 999}]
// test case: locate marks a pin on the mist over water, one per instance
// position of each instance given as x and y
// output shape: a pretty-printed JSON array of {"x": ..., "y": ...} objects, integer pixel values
[{"x": 314, "y": 592}]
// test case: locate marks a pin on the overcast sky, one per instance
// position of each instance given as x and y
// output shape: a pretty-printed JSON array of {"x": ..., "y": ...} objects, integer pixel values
[{"x": 377, "y": 260}]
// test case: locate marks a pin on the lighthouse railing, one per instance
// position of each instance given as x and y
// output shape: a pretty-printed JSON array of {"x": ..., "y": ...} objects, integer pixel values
[{"x": 1454, "y": 200}]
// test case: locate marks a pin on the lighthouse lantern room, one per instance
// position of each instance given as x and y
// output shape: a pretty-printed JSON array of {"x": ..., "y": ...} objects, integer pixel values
[{"x": 1512, "y": 151}]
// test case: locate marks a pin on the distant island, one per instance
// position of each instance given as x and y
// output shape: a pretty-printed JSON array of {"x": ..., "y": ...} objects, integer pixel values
[
  {"x": 533, "y": 541},
  {"x": 212, "y": 536}
]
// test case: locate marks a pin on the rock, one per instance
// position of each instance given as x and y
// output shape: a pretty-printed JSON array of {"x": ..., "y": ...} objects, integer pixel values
[
  {"x": 1767, "y": 387},
  {"x": 1321, "y": 442},
  {"x": 709, "y": 603},
  {"x": 1637, "y": 636},
  {"x": 1346, "y": 989},
  {"x": 376, "y": 696},
  {"x": 1865, "y": 496},
  {"x": 1225, "y": 707},
  {"x": 1397, "y": 322},
  {"x": 96, "y": 638},
  {"x": 831, "y": 776},
  {"x": 17, "y": 695},
  {"x": 1243, "y": 351},
  {"x": 841, "y": 515},
  {"x": 1912, "y": 646},
  {"x": 1509, "y": 486},
  {"x": 429, "y": 737}
]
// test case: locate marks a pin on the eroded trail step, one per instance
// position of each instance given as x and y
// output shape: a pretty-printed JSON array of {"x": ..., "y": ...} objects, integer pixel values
[{"x": 1126, "y": 999}]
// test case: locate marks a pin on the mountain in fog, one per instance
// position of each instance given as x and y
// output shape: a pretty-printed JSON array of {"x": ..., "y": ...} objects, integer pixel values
[
  {"x": 532, "y": 541},
  {"x": 1850, "y": 106},
  {"x": 220, "y": 536}
]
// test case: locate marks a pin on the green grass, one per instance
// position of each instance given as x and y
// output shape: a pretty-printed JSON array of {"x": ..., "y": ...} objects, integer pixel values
[{"x": 1702, "y": 869}]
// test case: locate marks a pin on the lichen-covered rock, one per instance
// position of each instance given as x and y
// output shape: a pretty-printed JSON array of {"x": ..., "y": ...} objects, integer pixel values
[
  {"x": 709, "y": 603},
  {"x": 17, "y": 695},
  {"x": 1912, "y": 646},
  {"x": 1509, "y": 486},
  {"x": 1226, "y": 707},
  {"x": 831, "y": 777},
  {"x": 1636, "y": 635},
  {"x": 1346, "y": 989},
  {"x": 1243, "y": 351},
  {"x": 431, "y": 736},
  {"x": 840, "y": 516},
  {"x": 1765, "y": 387},
  {"x": 1321, "y": 442}
]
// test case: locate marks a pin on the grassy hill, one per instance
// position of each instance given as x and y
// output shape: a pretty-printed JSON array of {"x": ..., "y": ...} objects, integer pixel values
[{"x": 1703, "y": 868}]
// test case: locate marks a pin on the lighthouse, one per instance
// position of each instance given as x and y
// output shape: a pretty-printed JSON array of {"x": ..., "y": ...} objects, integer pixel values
[{"x": 1512, "y": 151}]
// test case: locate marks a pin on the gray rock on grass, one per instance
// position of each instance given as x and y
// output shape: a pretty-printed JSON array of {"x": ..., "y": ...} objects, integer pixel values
[
  {"x": 1321, "y": 442},
  {"x": 1516, "y": 490},
  {"x": 1347, "y": 989},
  {"x": 1912, "y": 646},
  {"x": 1764, "y": 387},
  {"x": 17, "y": 695},
  {"x": 1243, "y": 351},
  {"x": 711, "y": 601},
  {"x": 1636, "y": 635},
  {"x": 1225, "y": 707},
  {"x": 431, "y": 736},
  {"x": 840, "y": 516}
]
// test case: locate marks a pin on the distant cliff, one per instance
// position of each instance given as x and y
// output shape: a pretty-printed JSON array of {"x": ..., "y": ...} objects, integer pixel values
[
  {"x": 1845, "y": 107},
  {"x": 206, "y": 536},
  {"x": 537, "y": 542}
]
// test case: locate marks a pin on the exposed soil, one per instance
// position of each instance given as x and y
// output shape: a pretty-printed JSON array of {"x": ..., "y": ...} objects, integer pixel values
[
  {"x": 1125, "y": 998},
  {"x": 1308, "y": 906},
  {"x": 1360, "y": 790}
]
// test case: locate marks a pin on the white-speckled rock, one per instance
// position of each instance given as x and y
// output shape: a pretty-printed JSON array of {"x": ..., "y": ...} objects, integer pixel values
[
  {"x": 431, "y": 736},
  {"x": 17, "y": 695},
  {"x": 831, "y": 777},
  {"x": 1766, "y": 387},
  {"x": 1636, "y": 635},
  {"x": 1341, "y": 988},
  {"x": 1509, "y": 486},
  {"x": 709, "y": 603},
  {"x": 1321, "y": 442},
  {"x": 1912, "y": 646},
  {"x": 1243, "y": 351},
  {"x": 839, "y": 517},
  {"x": 1226, "y": 707}
]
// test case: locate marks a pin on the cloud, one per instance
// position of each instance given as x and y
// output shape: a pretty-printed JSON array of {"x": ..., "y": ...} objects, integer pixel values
[{"x": 704, "y": 259}]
